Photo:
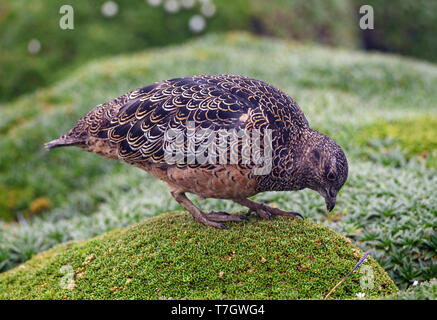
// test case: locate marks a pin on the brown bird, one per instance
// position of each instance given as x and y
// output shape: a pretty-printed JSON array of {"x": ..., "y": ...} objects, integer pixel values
[{"x": 216, "y": 136}]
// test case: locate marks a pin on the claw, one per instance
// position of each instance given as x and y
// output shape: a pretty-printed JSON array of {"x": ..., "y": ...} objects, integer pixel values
[
  {"x": 299, "y": 215},
  {"x": 268, "y": 215},
  {"x": 292, "y": 214},
  {"x": 283, "y": 213}
]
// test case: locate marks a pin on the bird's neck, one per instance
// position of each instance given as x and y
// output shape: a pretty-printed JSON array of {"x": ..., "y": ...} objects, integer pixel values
[{"x": 290, "y": 171}]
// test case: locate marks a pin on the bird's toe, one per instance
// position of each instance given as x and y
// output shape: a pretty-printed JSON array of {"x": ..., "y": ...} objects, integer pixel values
[
  {"x": 224, "y": 216},
  {"x": 263, "y": 214},
  {"x": 279, "y": 212},
  {"x": 297, "y": 214},
  {"x": 212, "y": 223},
  {"x": 293, "y": 214}
]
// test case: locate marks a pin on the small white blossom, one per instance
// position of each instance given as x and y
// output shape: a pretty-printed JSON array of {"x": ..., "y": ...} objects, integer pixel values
[
  {"x": 197, "y": 23},
  {"x": 171, "y": 6},
  {"x": 208, "y": 9},
  {"x": 154, "y": 3},
  {"x": 34, "y": 46},
  {"x": 415, "y": 283},
  {"x": 361, "y": 295},
  {"x": 109, "y": 9},
  {"x": 187, "y": 4}
]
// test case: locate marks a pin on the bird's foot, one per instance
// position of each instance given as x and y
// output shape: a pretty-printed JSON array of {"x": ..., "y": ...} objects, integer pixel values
[
  {"x": 279, "y": 212},
  {"x": 219, "y": 216},
  {"x": 265, "y": 211},
  {"x": 260, "y": 211},
  {"x": 214, "y": 219}
]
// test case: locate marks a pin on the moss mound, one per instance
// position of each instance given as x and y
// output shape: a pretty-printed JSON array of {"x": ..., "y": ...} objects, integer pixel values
[{"x": 172, "y": 256}]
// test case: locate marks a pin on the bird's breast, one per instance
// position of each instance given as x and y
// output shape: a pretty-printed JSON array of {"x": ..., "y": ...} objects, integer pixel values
[{"x": 222, "y": 182}]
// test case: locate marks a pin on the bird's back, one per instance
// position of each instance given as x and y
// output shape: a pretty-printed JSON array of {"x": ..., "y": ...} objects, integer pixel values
[{"x": 133, "y": 126}]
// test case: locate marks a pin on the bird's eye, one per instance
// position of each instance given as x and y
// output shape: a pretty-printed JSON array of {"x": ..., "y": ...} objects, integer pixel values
[
  {"x": 332, "y": 192},
  {"x": 330, "y": 176},
  {"x": 316, "y": 154}
]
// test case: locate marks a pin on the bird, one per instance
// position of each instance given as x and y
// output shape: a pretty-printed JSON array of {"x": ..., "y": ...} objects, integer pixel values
[{"x": 172, "y": 130}]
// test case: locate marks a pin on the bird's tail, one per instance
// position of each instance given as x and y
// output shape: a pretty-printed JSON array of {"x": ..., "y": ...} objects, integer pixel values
[{"x": 61, "y": 142}]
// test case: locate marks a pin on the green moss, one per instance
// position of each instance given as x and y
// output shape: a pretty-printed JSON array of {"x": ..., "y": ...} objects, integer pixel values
[{"x": 172, "y": 256}]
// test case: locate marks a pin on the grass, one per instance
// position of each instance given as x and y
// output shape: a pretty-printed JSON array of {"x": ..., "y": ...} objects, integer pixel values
[
  {"x": 379, "y": 108},
  {"x": 173, "y": 257}
]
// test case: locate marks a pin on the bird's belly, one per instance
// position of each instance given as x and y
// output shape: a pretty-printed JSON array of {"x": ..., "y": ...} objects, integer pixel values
[{"x": 224, "y": 182}]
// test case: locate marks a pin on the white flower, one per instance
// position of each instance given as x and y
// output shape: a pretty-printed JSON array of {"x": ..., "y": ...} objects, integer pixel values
[
  {"x": 197, "y": 23},
  {"x": 154, "y": 3},
  {"x": 34, "y": 46},
  {"x": 361, "y": 295},
  {"x": 415, "y": 283},
  {"x": 109, "y": 9},
  {"x": 171, "y": 6},
  {"x": 208, "y": 9},
  {"x": 187, "y": 4}
]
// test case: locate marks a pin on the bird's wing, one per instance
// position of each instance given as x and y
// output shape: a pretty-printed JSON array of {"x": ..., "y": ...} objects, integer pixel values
[{"x": 139, "y": 123}]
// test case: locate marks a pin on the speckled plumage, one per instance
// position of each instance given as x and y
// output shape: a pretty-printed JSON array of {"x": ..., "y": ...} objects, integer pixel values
[{"x": 132, "y": 128}]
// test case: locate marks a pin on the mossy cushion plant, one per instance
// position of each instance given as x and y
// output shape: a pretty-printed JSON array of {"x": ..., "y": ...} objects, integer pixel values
[{"x": 172, "y": 257}]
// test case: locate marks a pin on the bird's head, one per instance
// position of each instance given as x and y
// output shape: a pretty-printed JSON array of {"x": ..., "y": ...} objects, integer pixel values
[{"x": 326, "y": 167}]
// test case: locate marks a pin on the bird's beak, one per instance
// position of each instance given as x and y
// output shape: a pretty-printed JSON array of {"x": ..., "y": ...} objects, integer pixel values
[
  {"x": 330, "y": 203},
  {"x": 330, "y": 199}
]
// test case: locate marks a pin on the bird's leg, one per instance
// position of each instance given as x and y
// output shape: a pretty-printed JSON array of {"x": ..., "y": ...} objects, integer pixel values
[
  {"x": 265, "y": 211},
  {"x": 212, "y": 219},
  {"x": 258, "y": 208}
]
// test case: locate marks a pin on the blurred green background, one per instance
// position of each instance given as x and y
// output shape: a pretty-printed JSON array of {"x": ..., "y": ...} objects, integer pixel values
[
  {"x": 403, "y": 26},
  {"x": 372, "y": 91}
]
